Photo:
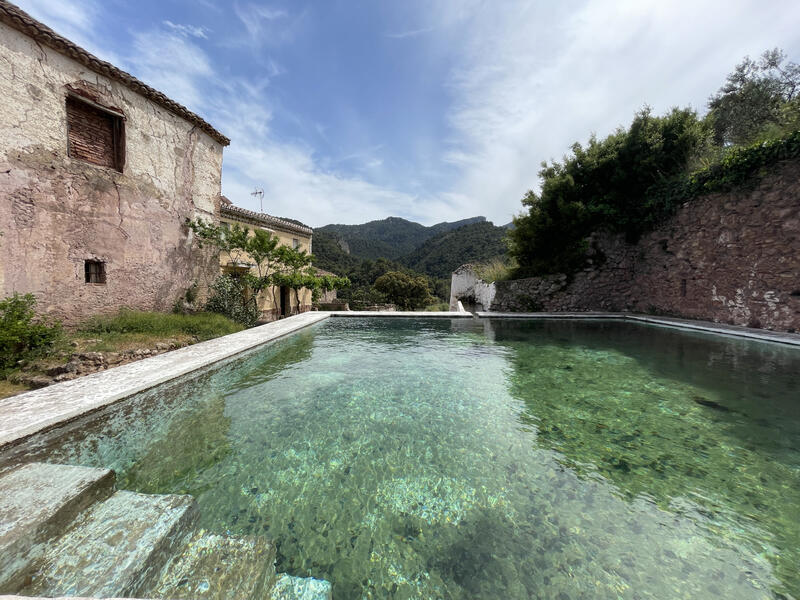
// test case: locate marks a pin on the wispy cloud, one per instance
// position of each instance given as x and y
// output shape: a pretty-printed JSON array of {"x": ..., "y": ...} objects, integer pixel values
[
  {"x": 173, "y": 64},
  {"x": 407, "y": 34},
  {"x": 187, "y": 30},
  {"x": 74, "y": 19},
  {"x": 523, "y": 92}
]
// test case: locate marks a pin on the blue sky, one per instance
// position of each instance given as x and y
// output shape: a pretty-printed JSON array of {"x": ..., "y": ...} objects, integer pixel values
[{"x": 345, "y": 111}]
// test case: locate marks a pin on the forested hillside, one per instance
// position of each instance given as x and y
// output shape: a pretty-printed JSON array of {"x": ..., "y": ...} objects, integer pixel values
[
  {"x": 366, "y": 252},
  {"x": 388, "y": 238},
  {"x": 445, "y": 252}
]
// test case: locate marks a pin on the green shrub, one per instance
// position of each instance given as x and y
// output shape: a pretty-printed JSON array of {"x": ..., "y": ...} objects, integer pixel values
[
  {"x": 497, "y": 269},
  {"x": 229, "y": 296},
  {"x": 22, "y": 335},
  {"x": 204, "y": 326},
  {"x": 407, "y": 292}
]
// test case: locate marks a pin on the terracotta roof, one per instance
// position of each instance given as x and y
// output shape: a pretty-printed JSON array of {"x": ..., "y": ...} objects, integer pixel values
[
  {"x": 18, "y": 19},
  {"x": 236, "y": 212}
]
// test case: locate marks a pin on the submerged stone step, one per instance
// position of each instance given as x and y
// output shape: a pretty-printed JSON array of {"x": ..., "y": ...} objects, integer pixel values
[
  {"x": 219, "y": 567},
  {"x": 117, "y": 548},
  {"x": 289, "y": 587},
  {"x": 38, "y": 501}
]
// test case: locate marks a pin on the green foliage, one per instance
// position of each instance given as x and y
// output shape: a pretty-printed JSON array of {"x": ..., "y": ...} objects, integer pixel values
[
  {"x": 22, "y": 335},
  {"x": 230, "y": 296},
  {"x": 602, "y": 186},
  {"x": 635, "y": 178},
  {"x": 268, "y": 263},
  {"x": 439, "y": 250},
  {"x": 204, "y": 326},
  {"x": 389, "y": 238},
  {"x": 497, "y": 269},
  {"x": 438, "y": 307},
  {"x": 756, "y": 101},
  {"x": 445, "y": 252},
  {"x": 406, "y": 291}
]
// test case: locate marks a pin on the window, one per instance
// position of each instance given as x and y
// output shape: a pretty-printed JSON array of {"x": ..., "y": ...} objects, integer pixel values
[
  {"x": 95, "y": 135},
  {"x": 95, "y": 271},
  {"x": 295, "y": 243}
]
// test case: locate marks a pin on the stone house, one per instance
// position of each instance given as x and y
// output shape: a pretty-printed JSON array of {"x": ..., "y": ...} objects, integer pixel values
[
  {"x": 98, "y": 173},
  {"x": 274, "y": 302}
]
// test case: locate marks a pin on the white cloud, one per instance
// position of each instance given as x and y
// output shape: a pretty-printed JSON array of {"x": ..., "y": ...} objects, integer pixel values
[
  {"x": 407, "y": 34},
  {"x": 533, "y": 78},
  {"x": 264, "y": 25},
  {"x": 174, "y": 65},
  {"x": 187, "y": 30},
  {"x": 74, "y": 19}
]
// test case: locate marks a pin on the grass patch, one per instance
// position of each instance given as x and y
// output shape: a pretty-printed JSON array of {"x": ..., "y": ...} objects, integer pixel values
[
  {"x": 131, "y": 329},
  {"x": 203, "y": 326},
  {"x": 497, "y": 269},
  {"x": 438, "y": 307},
  {"x": 10, "y": 389}
]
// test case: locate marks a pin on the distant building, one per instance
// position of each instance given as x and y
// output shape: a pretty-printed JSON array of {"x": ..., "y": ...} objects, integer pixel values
[
  {"x": 274, "y": 302},
  {"x": 98, "y": 173}
]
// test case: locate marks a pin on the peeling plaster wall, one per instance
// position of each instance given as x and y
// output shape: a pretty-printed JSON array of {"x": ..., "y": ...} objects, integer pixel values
[
  {"x": 474, "y": 293},
  {"x": 56, "y": 212},
  {"x": 730, "y": 258}
]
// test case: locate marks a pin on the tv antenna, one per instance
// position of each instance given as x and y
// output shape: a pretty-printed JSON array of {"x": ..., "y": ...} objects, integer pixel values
[{"x": 259, "y": 193}]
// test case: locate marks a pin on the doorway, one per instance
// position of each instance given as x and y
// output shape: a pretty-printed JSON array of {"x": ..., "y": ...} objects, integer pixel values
[{"x": 285, "y": 302}]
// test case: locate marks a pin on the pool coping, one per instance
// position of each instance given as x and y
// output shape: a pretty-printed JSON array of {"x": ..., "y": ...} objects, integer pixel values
[
  {"x": 792, "y": 339},
  {"x": 33, "y": 412},
  {"x": 29, "y": 413}
]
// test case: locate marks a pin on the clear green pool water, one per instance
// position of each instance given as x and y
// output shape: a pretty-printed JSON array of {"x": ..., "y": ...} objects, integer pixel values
[{"x": 486, "y": 459}]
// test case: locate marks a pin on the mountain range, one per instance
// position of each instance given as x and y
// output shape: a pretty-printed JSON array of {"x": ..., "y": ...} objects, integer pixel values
[{"x": 434, "y": 250}]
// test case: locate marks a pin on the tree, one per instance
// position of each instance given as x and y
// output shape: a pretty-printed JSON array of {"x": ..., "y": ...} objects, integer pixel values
[
  {"x": 405, "y": 291},
  {"x": 268, "y": 264},
  {"x": 602, "y": 186},
  {"x": 756, "y": 99}
]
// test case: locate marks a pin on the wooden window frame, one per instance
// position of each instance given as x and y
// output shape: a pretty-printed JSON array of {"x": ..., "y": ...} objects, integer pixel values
[
  {"x": 117, "y": 132},
  {"x": 92, "y": 274}
]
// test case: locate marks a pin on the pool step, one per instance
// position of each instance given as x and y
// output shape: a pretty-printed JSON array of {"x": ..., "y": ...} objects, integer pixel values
[
  {"x": 219, "y": 567},
  {"x": 115, "y": 549},
  {"x": 289, "y": 587},
  {"x": 37, "y": 503}
]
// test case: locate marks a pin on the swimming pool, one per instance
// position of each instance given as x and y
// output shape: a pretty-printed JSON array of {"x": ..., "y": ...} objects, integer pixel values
[{"x": 403, "y": 458}]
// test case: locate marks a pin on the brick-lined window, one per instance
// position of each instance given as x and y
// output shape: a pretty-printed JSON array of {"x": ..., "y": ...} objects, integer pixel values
[
  {"x": 95, "y": 135},
  {"x": 95, "y": 271}
]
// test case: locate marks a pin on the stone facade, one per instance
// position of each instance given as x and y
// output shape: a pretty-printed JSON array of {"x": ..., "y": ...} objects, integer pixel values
[
  {"x": 67, "y": 205},
  {"x": 730, "y": 258}
]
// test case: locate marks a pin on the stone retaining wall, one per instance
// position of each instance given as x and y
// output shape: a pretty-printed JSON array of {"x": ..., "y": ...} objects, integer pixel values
[{"x": 730, "y": 258}]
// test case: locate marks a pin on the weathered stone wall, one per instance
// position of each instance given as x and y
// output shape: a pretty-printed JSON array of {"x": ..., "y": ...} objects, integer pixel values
[
  {"x": 56, "y": 212},
  {"x": 731, "y": 258}
]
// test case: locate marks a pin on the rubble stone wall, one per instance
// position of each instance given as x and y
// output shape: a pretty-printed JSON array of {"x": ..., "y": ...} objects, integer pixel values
[
  {"x": 727, "y": 257},
  {"x": 56, "y": 212}
]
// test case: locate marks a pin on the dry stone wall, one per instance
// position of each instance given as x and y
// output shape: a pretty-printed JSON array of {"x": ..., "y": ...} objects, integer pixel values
[
  {"x": 730, "y": 258},
  {"x": 57, "y": 212}
]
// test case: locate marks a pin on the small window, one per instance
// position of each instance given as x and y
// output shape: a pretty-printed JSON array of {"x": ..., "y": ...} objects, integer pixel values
[
  {"x": 295, "y": 243},
  {"x": 95, "y": 135},
  {"x": 95, "y": 271}
]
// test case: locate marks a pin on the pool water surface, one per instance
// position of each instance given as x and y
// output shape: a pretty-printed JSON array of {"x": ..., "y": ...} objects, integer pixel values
[{"x": 402, "y": 458}]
